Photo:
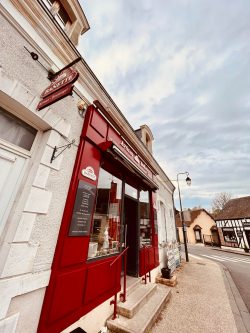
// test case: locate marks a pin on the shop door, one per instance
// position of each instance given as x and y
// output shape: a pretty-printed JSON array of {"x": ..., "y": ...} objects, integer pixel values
[
  {"x": 215, "y": 238},
  {"x": 131, "y": 234},
  {"x": 198, "y": 236}
]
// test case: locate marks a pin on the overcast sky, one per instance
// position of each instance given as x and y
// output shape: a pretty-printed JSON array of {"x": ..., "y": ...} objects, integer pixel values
[{"x": 183, "y": 68}]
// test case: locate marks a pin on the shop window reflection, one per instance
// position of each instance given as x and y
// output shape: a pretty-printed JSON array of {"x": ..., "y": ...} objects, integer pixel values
[
  {"x": 106, "y": 227},
  {"x": 145, "y": 225},
  {"x": 131, "y": 191},
  {"x": 229, "y": 235}
]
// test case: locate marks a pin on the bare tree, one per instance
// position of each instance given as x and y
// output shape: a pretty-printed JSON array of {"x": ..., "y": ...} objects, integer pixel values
[{"x": 220, "y": 201}]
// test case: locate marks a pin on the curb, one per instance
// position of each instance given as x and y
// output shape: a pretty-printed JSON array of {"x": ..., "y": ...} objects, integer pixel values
[
  {"x": 239, "y": 309},
  {"x": 231, "y": 251}
]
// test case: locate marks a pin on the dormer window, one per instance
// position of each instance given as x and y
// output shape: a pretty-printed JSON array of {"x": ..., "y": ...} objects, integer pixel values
[
  {"x": 146, "y": 136},
  {"x": 60, "y": 14},
  {"x": 148, "y": 141}
]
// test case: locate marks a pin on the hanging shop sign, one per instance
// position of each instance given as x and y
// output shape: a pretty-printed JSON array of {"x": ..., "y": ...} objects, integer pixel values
[
  {"x": 83, "y": 208},
  {"x": 60, "y": 87},
  {"x": 56, "y": 96}
]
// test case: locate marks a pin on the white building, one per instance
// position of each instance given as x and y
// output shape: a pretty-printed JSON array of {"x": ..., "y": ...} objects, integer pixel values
[{"x": 40, "y": 249}]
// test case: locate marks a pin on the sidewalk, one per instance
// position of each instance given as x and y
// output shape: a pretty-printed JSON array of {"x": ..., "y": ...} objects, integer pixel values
[{"x": 202, "y": 302}]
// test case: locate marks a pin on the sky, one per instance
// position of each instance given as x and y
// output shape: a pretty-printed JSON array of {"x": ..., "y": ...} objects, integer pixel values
[{"x": 183, "y": 68}]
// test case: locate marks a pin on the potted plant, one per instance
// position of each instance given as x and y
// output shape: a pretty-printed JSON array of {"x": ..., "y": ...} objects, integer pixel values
[
  {"x": 246, "y": 249},
  {"x": 166, "y": 271}
]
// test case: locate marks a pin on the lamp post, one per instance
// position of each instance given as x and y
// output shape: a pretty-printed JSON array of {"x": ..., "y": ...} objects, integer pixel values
[{"x": 188, "y": 181}]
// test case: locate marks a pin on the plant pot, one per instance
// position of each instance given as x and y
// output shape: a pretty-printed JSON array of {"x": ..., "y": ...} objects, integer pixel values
[{"x": 166, "y": 273}]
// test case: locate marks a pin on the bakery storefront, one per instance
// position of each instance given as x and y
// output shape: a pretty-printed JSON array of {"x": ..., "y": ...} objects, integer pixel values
[{"x": 110, "y": 207}]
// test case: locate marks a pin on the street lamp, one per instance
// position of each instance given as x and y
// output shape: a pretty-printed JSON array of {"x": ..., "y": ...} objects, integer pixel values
[{"x": 188, "y": 181}]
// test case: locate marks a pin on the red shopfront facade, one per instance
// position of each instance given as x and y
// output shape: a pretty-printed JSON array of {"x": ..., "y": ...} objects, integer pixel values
[{"x": 110, "y": 205}]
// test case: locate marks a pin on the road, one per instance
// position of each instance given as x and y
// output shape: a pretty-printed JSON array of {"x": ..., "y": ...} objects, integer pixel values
[{"x": 237, "y": 264}]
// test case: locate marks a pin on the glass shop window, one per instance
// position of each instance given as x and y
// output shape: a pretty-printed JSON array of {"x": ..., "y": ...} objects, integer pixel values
[
  {"x": 131, "y": 191},
  {"x": 16, "y": 131},
  {"x": 106, "y": 227},
  {"x": 229, "y": 236},
  {"x": 145, "y": 225}
]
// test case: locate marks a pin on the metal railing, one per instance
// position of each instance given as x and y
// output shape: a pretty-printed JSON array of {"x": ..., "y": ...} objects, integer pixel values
[
  {"x": 123, "y": 294},
  {"x": 146, "y": 275}
]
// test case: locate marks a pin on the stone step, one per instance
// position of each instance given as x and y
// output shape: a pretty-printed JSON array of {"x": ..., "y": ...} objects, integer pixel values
[
  {"x": 144, "y": 319},
  {"x": 132, "y": 284},
  {"x": 136, "y": 300}
]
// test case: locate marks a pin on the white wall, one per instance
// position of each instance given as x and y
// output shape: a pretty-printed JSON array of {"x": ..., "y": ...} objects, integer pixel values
[{"x": 29, "y": 238}]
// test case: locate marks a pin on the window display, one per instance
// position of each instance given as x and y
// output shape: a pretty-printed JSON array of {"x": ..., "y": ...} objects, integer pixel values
[
  {"x": 145, "y": 225},
  {"x": 229, "y": 235},
  {"x": 106, "y": 227}
]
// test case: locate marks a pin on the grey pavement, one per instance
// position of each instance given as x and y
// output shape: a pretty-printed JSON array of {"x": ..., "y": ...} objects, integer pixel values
[{"x": 205, "y": 300}]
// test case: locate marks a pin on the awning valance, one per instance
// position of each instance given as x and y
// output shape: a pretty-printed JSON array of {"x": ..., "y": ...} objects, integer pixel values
[{"x": 117, "y": 154}]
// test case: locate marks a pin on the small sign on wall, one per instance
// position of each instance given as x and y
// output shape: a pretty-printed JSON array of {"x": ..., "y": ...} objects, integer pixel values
[
  {"x": 89, "y": 172},
  {"x": 83, "y": 208}
]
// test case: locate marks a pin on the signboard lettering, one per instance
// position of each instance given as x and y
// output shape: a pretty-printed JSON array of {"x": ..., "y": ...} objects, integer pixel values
[
  {"x": 55, "y": 97},
  {"x": 60, "y": 87},
  {"x": 89, "y": 172},
  {"x": 67, "y": 76},
  {"x": 136, "y": 158},
  {"x": 83, "y": 208}
]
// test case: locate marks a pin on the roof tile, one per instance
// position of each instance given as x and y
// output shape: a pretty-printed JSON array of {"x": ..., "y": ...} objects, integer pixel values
[{"x": 235, "y": 208}]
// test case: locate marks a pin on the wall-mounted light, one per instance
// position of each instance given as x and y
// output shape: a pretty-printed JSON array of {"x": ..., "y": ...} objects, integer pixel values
[{"x": 82, "y": 107}]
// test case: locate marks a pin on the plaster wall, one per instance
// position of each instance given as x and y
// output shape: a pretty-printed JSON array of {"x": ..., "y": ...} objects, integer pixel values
[
  {"x": 166, "y": 221},
  {"x": 29, "y": 238},
  {"x": 204, "y": 221},
  {"x": 35, "y": 298},
  {"x": 165, "y": 215}
]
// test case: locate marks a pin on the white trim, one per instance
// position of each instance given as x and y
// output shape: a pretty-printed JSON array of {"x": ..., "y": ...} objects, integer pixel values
[
  {"x": 9, "y": 324},
  {"x": 28, "y": 32},
  {"x": 20, "y": 285}
]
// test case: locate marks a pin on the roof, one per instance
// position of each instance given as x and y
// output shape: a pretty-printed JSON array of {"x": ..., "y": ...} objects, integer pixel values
[
  {"x": 193, "y": 215},
  {"x": 235, "y": 208}
]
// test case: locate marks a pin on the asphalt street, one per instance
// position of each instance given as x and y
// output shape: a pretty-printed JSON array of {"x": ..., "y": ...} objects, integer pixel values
[{"x": 237, "y": 264}]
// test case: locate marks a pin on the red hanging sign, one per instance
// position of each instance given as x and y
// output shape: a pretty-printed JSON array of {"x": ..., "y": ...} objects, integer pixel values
[
  {"x": 56, "y": 96},
  {"x": 60, "y": 87}
]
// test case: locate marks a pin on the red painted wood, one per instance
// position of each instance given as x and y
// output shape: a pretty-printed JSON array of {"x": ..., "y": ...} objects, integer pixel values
[
  {"x": 142, "y": 270},
  {"x": 76, "y": 285},
  {"x": 68, "y": 293}
]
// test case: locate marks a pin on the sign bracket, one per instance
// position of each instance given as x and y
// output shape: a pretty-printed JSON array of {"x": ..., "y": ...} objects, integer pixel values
[
  {"x": 52, "y": 75},
  {"x": 54, "y": 156}
]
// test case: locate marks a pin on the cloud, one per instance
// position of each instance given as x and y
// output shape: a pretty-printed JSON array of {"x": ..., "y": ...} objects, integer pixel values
[{"x": 183, "y": 68}]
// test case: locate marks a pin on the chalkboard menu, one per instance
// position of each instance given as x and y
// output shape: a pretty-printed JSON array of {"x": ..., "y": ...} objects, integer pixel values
[{"x": 83, "y": 207}]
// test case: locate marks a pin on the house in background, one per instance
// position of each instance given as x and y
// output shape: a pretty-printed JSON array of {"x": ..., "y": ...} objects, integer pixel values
[
  {"x": 233, "y": 224},
  {"x": 200, "y": 226}
]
